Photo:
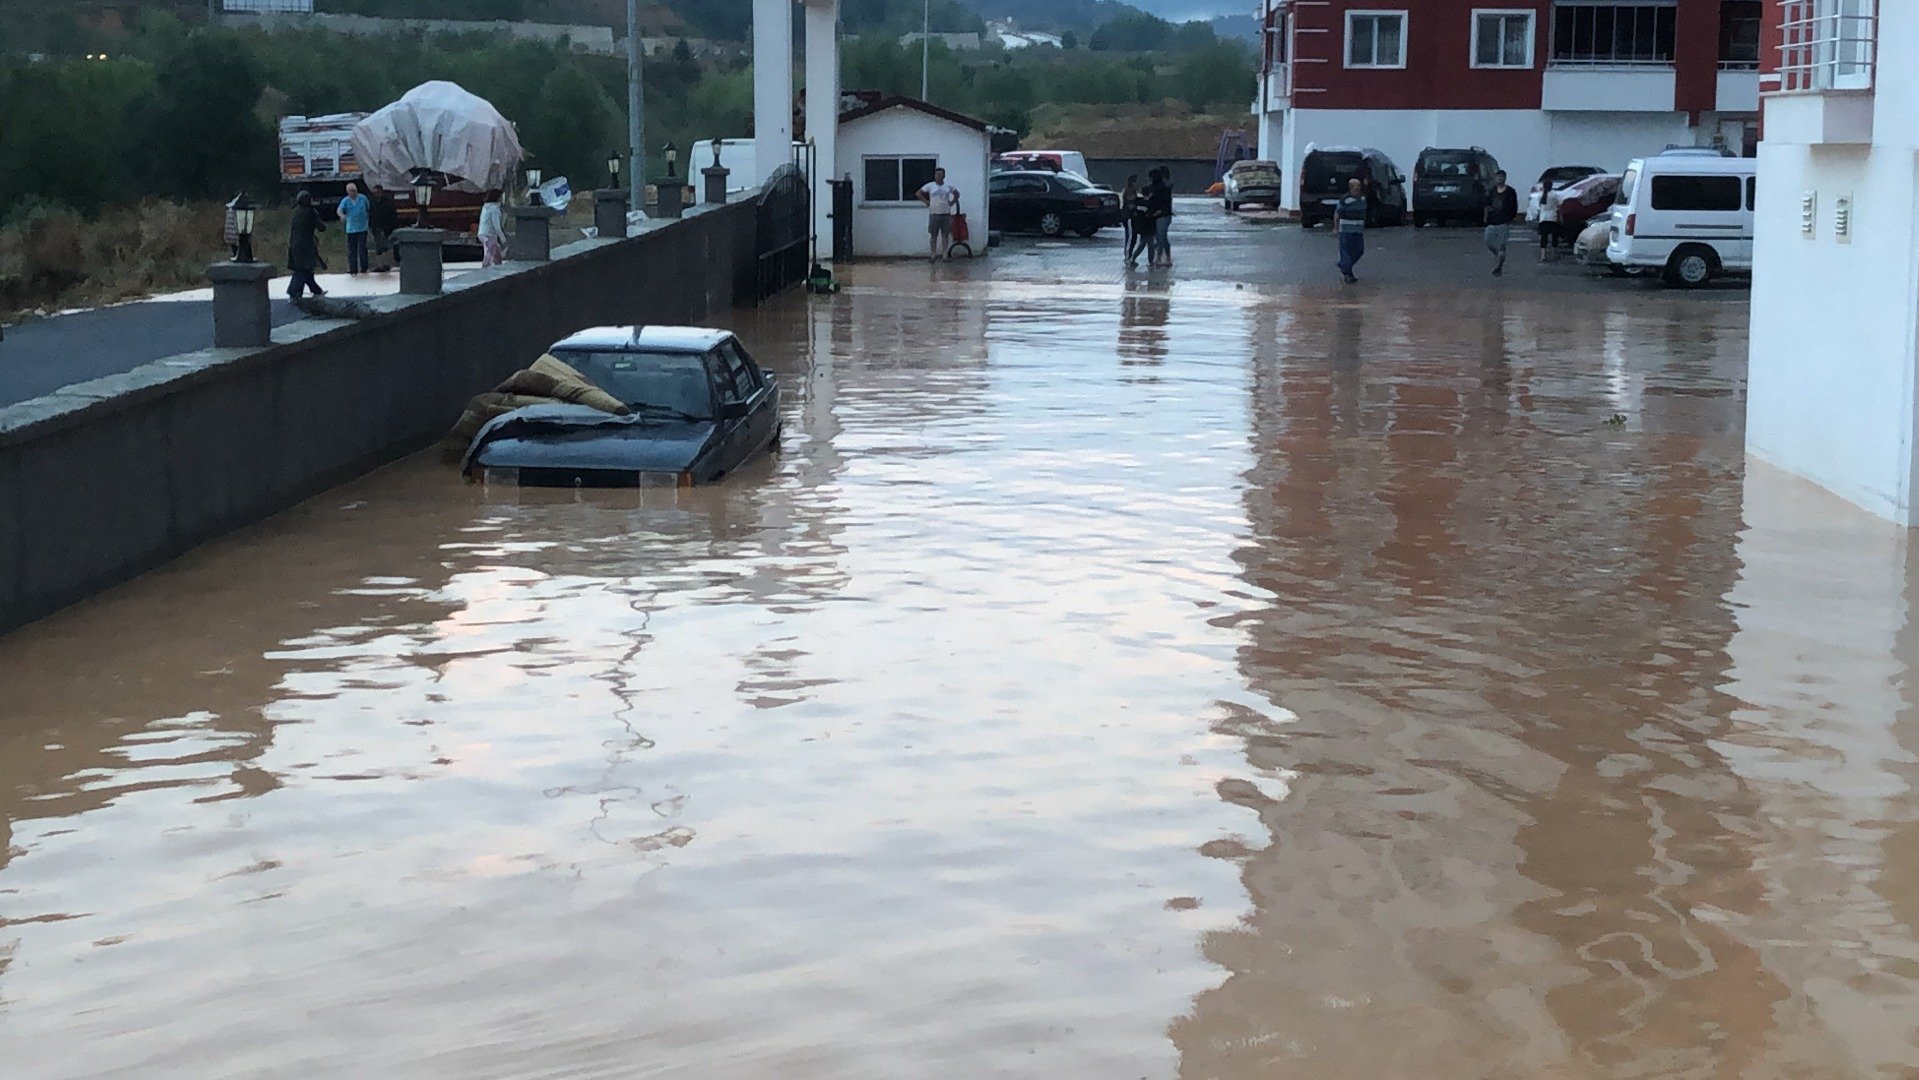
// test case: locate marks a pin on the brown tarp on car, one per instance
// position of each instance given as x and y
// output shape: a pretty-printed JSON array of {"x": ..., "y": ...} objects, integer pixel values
[{"x": 547, "y": 381}]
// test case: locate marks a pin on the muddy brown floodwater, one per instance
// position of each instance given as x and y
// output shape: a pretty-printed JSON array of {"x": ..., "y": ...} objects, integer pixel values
[{"x": 1108, "y": 681}]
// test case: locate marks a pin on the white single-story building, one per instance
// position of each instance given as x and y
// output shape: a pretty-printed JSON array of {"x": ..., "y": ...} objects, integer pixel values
[{"x": 889, "y": 148}]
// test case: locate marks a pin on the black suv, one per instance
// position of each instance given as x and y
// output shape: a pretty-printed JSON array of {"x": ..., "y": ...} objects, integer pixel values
[
  {"x": 1322, "y": 183},
  {"x": 1452, "y": 184}
]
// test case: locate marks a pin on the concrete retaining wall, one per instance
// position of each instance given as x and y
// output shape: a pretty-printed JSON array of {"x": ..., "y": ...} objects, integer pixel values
[{"x": 109, "y": 478}]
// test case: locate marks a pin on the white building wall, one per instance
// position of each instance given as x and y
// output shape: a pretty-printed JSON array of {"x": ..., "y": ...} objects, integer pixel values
[
  {"x": 899, "y": 229},
  {"x": 1526, "y": 141},
  {"x": 1830, "y": 382}
]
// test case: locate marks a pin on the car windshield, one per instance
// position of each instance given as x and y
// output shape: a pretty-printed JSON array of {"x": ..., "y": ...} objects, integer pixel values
[
  {"x": 1626, "y": 183},
  {"x": 1446, "y": 165},
  {"x": 1329, "y": 172},
  {"x": 1072, "y": 183},
  {"x": 672, "y": 383}
]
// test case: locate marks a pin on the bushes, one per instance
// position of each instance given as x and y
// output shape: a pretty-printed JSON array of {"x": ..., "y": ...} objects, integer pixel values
[{"x": 53, "y": 257}]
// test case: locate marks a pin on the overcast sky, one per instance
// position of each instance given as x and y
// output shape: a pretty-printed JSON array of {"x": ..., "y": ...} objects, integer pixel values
[{"x": 1179, "y": 10}]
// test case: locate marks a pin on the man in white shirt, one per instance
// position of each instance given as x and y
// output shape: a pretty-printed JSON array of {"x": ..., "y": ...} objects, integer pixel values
[{"x": 942, "y": 202}]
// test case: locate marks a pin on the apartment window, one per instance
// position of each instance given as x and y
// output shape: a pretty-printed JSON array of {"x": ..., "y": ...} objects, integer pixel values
[
  {"x": 1697, "y": 193},
  {"x": 1277, "y": 35},
  {"x": 1739, "y": 22},
  {"x": 1375, "y": 39},
  {"x": 898, "y": 179},
  {"x": 1590, "y": 32},
  {"x": 1502, "y": 39}
]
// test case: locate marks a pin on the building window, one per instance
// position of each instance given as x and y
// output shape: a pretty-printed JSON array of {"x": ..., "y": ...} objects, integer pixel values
[
  {"x": 1739, "y": 22},
  {"x": 898, "y": 179},
  {"x": 1586, "y": 32},
  {"x": 1277, "y": 37},
  {"x": 1375, "y": 39},
  {"x": 1502, "y": 39},
  {"x": 1696, "y": 193}
]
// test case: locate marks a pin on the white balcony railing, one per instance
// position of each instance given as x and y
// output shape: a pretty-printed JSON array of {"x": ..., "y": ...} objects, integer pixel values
[{"x": 1829, "y": 45}]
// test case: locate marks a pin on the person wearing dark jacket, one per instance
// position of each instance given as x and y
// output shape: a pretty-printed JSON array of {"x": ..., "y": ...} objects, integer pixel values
[
  {"x": 1502, "y": 206},
  {"x": 386, "y": 218},
  {"x": 1159, "y": 200},
  {"x": 303, "y": 248}
]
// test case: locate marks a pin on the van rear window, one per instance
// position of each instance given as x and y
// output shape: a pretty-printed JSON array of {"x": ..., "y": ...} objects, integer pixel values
[
  {"x": 1328, "y": 172},
  {"x": 1697, "y": 193}
]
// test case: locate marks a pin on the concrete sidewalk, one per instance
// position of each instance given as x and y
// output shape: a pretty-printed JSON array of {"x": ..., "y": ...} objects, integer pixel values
[{"x": 44, "y": 355}]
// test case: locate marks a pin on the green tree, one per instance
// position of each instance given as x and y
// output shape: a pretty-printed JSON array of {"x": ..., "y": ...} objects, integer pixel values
[
  {"x": 575, "y": 122},
  {"x": 201, "y": 133},
  {"x": 1133, "y": 31}
]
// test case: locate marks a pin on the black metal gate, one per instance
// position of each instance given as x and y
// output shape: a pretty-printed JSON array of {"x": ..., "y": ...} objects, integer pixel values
[
  {"x": 785, "y": 230},
  {"x": 842, "y": 219}
]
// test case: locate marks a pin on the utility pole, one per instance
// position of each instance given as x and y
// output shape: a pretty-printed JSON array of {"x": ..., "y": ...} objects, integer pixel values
[
  {"x": 926, "y": 39},
  {"x": 635, "y": 103}
]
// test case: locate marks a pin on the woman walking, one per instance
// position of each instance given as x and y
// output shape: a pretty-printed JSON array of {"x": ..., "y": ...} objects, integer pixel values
[
  {"x": 303, "y": 248},
  {"x": 492, "y": 232}
]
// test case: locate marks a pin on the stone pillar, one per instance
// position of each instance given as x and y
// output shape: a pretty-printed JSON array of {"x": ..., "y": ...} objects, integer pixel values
[
  {"x": 772, "y": 86},
  {"x": 420, "y": 260},
  {"x": 242, "y": 314},
  {"x": 609, "y": 213},
  {"x": 669, "y": 196},
  {"x": 532, "y": 239},
  {"x": 823, "y": 112},
  {"x": 715, "y": 194}
]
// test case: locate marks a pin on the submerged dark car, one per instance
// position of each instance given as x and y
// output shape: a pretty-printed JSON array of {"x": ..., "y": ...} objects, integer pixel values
[{"x": 698, "y": 408}]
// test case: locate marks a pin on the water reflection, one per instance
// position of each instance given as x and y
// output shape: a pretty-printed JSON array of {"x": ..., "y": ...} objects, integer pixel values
[{"x": 1106, "y": 679}]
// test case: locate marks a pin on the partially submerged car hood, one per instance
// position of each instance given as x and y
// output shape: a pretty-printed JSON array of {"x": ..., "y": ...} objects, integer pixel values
[{"x": 579, "y": 437}]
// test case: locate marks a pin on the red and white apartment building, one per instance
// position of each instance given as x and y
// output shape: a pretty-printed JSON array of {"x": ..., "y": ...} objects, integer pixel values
[{"x": 1536, "y": 82}]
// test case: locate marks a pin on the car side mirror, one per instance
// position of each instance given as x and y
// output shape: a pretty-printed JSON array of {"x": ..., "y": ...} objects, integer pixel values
[{"x": 735, "y": 410}]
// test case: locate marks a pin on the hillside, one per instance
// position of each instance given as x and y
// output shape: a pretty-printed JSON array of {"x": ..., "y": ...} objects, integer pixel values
[{"x": 1167, "y": 129}]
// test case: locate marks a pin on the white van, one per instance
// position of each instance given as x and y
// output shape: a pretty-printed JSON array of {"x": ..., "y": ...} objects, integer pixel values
[{"x": 1688, "y": 216}]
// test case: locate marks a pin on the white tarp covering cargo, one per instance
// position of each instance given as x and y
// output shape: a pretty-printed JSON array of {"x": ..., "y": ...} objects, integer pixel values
[{"x": 439, "y": 126}]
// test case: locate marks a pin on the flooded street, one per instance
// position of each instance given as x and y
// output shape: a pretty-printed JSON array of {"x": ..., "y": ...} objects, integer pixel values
[{"x": 1115, "y": 676}]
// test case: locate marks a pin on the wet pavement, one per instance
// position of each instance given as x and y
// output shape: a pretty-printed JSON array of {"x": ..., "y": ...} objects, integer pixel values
[{"x": 1116, "y": 676}]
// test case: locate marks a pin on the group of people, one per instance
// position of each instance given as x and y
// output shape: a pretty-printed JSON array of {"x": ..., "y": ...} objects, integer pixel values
[
  {"x": 1501, "y": 207},
  {"x": 1147, "y": 215},
  {"x": 368, "y": 222}
]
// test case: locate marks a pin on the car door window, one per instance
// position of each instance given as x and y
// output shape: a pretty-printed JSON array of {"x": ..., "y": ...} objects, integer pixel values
[
  {"x": 722, "y": 378},
  {"x": 739, "y": 381}
]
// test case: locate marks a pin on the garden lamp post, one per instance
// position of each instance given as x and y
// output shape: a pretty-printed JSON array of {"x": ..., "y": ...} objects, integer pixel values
[
  {"x": 533, "y": 188},
  {"x": 244, "y": 210},
  {"x": 612, "y": 168},
  {"x": 672, "y": 160}
]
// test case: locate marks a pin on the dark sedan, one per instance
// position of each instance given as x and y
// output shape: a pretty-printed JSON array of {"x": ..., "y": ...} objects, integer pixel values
[
  {"x": 698, "y": 408},
  {"x": 1051, "y": 203}
]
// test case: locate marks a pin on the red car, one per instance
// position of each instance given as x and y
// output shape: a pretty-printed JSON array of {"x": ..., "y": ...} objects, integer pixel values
[{"x": 1582, "y": 200}]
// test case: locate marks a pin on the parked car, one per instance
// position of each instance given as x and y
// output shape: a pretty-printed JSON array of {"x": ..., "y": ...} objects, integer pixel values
[
  {"x": 1552, "y": 180},
  {"x": 1050, "y": 203},
  {"x": 1590, "y": 247},
  {"x": 1324, "y": 174},
  {"x": 1451, "y": 184},
  {"x": 1071, "y": 161},
  {"x": 1581, "y": 201},
  {"x": 1252, "y": 182},
  {"x": 699, "y": 408},
  {"x": 1686, "y": 216}
]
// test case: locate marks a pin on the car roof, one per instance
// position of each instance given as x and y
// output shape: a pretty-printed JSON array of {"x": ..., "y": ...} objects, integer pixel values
[
  {"x": 672, "y": 339},
  {"x": 1688, "y": 165}
]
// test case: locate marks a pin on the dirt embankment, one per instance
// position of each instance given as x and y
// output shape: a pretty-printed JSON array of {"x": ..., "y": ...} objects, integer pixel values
[{"x": 1168, "y": 129}]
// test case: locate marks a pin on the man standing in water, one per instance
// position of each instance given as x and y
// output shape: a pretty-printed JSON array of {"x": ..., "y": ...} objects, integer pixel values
[
  {"x": 1350, "y": 219},
  {"x": 940, "y": 198},
  {"x": 1502, "y": 206}
]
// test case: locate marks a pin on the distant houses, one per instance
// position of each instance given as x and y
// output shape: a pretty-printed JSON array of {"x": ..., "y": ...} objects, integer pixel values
[{"x": 1002, "y": 34}]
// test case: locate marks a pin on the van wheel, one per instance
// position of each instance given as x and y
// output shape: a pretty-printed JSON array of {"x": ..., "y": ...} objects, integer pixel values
[{"x": 1691, "y": 267}]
